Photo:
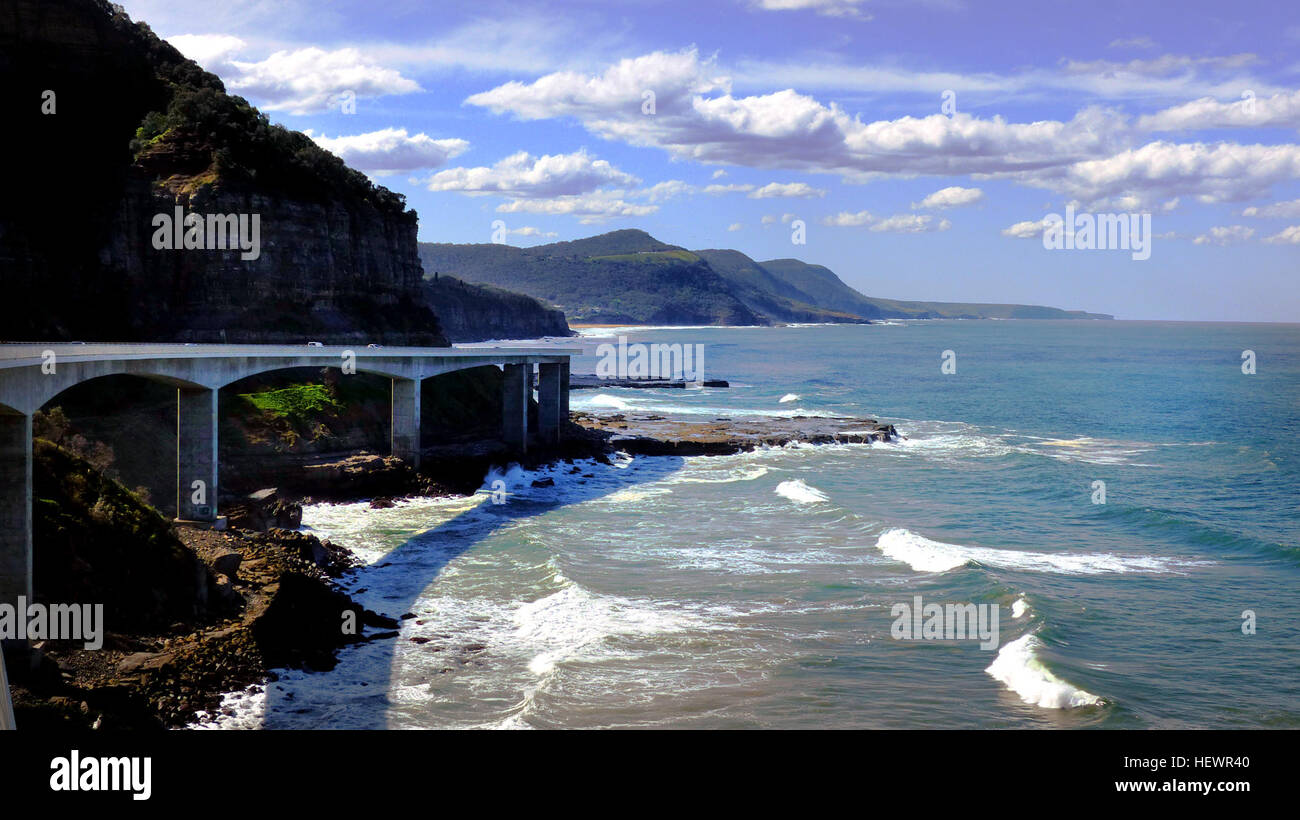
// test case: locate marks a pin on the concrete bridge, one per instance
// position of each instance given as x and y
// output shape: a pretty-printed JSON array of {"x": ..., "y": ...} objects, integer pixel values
[{"x": 31, "y": 375}]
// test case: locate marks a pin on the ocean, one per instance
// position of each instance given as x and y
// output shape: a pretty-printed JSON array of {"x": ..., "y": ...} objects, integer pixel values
[{"x": 760, "y": 590}]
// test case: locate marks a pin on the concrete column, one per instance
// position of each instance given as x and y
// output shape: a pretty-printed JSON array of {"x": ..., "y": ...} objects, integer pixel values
[
  {"x": 196, "y": 454},
  {"x": 551, "y": 412},
  {"x": 406, "y": 420},
  {"x": 15, "y": 507},
  {"x": 516, "y": 388}
]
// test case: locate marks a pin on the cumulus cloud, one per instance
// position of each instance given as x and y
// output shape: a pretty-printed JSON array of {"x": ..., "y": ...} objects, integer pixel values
[
  {"x": 529, "y": 230},
  {"x": 719, "y": 174},
  {"x": 592, "y": 208},
  {"x": 300, "y": 81},
  {"x": 1287, "y": 236},
  {"x": 1225, "y": 235},
  {"x": 1277, "y": 210},
  {"x": 391, "y": 150},
  {"x": 910, "y": 223},
  {"x": 1161, "y": 170},
  {"x": 733, "y": 188},
  {"x": 1026, "y": 230},
  {"x": 786, "y": 189},
  {"x": 735, "y": 226},
  {"x": 1277, "y": 111},
  {"x": 951, "y": 197},
  {"x": 698, "y": 118},
  {"x": 524, "y": 176}
]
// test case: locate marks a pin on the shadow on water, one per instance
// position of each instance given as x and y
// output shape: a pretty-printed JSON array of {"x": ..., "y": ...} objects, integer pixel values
[{"x": 357, "y": 694}]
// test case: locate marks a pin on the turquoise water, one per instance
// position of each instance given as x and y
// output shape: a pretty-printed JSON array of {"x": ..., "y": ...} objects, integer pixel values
[{"x": 756, "y": 590}]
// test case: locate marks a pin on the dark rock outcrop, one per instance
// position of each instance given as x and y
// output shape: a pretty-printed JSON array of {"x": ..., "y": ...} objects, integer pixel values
[
  {"x": 477, "y": 313},
  {"x": 133, "y": 131}
]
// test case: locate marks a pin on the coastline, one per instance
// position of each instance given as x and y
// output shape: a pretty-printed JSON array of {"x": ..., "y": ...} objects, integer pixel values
[{"x": 277, "y": 589}]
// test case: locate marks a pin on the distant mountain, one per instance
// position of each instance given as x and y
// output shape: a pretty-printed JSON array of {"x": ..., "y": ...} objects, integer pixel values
[
  {"x": 826, "y": 290},
  {"x": 620, "y": 277},
  {"x": 629, "y": 276}
]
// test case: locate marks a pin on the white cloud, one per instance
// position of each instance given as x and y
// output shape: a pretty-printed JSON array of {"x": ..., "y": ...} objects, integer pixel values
[
  {"x": 719, "y": 174},
  {"x": 735, "y": 226},
  {"x": 301, "y": 81},
  {"x": 666, "y": 190},
  {"x": 786, "y": 189},
  {"x": 698, "y": 118},
  {"x": 1277, "y": 210},
  {"x": 910, "y": 223},
  {"x": 529, "y": 230},
  {"x": 1250, "y": 111},
  {"x": 523, "y": 176},
  {"x": 208, "y": 50},
  {"x": 391, "y": 150},
  {"x": 846, "y": 219},
  {"x": 733, "y": 188},
  {"x": 1225, "y": 235},
  {"x": 768, "y": 219},
  {"x": 951, "y": 197},
  {"x": 1026, "y": 230},
  {"x": 1287, "y": 236},
  {"x": 1161, "y": 170},
  {"x": 829, "y": 8},
  {"x": 592, "y": 208}
]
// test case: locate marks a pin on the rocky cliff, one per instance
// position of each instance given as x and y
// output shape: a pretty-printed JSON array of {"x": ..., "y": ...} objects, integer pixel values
[
  {"x": 114, "y": 129},
  {"x": 478, "y": 313}
]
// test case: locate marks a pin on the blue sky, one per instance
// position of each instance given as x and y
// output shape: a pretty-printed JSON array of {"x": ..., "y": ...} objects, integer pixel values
[{"x": 827, "y": 112}]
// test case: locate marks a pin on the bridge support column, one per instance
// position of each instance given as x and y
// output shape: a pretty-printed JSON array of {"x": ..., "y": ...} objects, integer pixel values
[
  {"x": 552, "y": 400},
  {"x": 406, "y": 420},
  {"x": 15, "y": 507},
  {"x": 516, "y": 388},
  {"x": 196, "y": 454}
]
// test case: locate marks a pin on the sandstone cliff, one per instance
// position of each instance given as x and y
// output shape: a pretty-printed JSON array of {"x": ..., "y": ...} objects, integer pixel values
[{"x": 133, "y": 130}]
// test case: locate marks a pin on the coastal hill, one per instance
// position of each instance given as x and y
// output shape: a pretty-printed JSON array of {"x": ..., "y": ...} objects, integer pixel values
[
  {"x": 629, "y": 276},
  {"x": 620, "y": 277},
  {"x": 112, "y": 127}
]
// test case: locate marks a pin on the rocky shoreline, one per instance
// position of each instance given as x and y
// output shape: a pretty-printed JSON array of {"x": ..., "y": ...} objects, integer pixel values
[{"x": 275, "y": 601}]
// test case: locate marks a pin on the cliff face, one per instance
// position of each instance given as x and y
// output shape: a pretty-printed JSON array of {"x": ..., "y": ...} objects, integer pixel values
[
  {"x": 133, "y": 130},
  {"x": 475, "y": 313}
]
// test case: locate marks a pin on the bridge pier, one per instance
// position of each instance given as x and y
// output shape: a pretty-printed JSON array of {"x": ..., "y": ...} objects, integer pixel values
[
  {"x": 15, "y": 507},
  {"x": 405, "y": 438},
  {"x": 196, "y": 454},
  {"x": 552, "y": 400},
  {"x": 516, "y": 388}
]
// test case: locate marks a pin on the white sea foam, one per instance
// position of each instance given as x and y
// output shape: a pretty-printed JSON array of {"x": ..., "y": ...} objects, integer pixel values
[
  {"x": 1018, "y": 668},
  {"x": 925, "y": 555},
  {"x": 605, "y": 401},
  {"x": 1019, "y": 607},
  {"x": 788, "y": 397},
  {"x": 799, "y": 492}
]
